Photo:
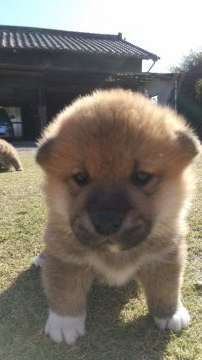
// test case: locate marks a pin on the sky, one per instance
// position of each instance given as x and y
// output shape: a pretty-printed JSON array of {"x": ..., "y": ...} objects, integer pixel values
[{"x": 169, "y": 29}]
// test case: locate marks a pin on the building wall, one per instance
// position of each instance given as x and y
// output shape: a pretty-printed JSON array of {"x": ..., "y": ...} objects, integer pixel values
[
  {"x": 25, "y": 59},
  {"x": 16, "y": 121},
  {"x": 160, "y": 88}
]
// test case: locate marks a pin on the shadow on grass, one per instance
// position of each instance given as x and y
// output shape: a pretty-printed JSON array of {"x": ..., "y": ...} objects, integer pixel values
[
  {"x": 108, "y": 336},
  {"x": 3, "y": 170}
]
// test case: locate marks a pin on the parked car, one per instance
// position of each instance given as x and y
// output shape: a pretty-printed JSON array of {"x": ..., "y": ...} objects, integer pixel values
[{"x": 6, "y": 126}]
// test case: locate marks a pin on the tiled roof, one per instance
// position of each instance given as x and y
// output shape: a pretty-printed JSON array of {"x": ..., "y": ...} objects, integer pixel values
[{"x": 17, "y": 37}]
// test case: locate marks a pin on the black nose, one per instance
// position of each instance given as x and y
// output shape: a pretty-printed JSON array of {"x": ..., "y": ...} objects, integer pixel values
[{"x": 106, "y": 222}]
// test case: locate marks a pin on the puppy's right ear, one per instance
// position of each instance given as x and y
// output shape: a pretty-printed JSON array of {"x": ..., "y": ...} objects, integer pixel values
[{"x": 44, "y": 153}]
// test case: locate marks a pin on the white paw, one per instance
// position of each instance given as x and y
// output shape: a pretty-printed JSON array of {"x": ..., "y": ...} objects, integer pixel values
[
  {"x": 178, "y": 321},
  {"x": 65, "y": 328},
  {"x": 38, "y": 260}
]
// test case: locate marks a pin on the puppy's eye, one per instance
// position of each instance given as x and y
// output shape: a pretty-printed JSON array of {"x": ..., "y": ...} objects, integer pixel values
[
  {"x": 142, "y": 178},
  {"x": 81, "y": 179}
]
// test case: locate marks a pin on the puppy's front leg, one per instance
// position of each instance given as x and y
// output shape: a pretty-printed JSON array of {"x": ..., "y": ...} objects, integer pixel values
[
  {"x": 16, "y": 164},
  {"x": 161, "y": 283},
  {"x": 66, "y": 287}
]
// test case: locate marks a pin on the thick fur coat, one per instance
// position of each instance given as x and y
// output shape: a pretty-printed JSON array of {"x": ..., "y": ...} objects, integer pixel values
[
  {"x": 118, "y": 183},
  {"x": 9, "y": 157}
]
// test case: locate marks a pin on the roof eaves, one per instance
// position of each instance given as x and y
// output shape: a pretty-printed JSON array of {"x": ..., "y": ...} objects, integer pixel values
[
  {"x": 46, "y": 40},
  {"x": 75, "y": 51},
  {"x": 148, "y": 55}
]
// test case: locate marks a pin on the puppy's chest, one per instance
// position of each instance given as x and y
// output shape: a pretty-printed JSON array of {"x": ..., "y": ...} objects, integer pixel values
[{"x": 111, "y": 275}]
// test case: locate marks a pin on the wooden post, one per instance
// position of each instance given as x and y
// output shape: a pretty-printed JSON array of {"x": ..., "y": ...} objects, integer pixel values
[{"x": 42, "y": 108}]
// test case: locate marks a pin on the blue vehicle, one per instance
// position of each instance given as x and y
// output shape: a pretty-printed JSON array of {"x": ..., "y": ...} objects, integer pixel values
[{"x": 6, "y": 126}]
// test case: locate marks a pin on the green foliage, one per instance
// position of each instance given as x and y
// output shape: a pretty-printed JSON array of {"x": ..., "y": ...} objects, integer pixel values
[
  {"x": 190, "y": 89},
  {"x": 198, "y": 89},
  {"x": 191, "y": 63}
]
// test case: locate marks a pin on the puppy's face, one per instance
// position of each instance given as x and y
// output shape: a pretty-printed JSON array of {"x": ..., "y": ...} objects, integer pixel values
[{"x": 114, "y": 164}]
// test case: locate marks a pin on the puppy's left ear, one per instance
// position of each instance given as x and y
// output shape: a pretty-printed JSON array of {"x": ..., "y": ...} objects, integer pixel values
[
  {"x": 189, "y": 145},
  {"x": 44, "y": 153}
]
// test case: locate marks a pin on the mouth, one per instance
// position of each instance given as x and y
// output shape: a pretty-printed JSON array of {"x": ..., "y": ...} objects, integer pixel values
[{"x": 123, "y": 240}]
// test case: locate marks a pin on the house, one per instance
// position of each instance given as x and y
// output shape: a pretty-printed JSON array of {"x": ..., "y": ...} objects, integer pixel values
[{"x": 41, "y": 70}]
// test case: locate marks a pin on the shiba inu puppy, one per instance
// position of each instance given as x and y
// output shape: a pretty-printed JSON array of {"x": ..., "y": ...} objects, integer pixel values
[
  {"x": 118, "y": 180},
  {"x": 9, "y": 156}
]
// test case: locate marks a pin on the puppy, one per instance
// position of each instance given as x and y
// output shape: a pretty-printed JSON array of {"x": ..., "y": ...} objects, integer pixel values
[
  {"x": 9, "y": 157},
  {"x": 118, "y": 180}
]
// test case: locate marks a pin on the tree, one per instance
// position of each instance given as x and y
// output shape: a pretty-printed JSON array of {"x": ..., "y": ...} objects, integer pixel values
[
  {"x": 198, "y": 88},
  {"x": 190, "y": 89}
]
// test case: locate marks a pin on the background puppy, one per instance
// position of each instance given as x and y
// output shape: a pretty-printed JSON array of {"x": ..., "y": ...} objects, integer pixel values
[
  {"x": 118, "y": 183},
  {"x": 9, "y": 157}
]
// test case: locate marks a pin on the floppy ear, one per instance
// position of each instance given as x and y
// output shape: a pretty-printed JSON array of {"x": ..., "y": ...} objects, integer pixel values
[
  {"x": 189, "y": 145},
  {"x": 44, "y": 153}
]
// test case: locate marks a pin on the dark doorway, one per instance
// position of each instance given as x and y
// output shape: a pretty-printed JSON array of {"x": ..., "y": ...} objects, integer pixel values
[{"x": 30, "y": 122}]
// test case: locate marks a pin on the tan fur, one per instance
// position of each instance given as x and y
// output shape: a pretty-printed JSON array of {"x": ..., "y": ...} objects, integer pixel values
[
  {"x": 113, "y": 135},
  {"x": 9, "y": 156}
]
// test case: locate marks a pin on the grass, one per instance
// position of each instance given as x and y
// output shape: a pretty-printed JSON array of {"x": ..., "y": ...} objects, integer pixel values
[{"x": 118, "y": 326}]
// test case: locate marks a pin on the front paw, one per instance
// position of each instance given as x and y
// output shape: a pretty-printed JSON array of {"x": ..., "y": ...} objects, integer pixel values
[
  {"x": 178, "y": 321},
  {"x": 38, "y": 260},
  {"x": 65, "y": 328}
]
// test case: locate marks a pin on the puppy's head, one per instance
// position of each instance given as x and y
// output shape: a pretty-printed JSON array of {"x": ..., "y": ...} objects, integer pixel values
[{"x": 115, "y": 166}]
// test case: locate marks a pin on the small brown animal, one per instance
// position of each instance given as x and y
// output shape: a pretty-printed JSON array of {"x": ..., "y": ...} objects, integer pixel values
[
  {"x": 9, "y": 156},
  {"x": 118, "y": 184}
]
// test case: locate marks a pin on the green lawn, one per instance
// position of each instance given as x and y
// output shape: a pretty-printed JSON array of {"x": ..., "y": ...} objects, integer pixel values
[{"x": 118, "y": 326}]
